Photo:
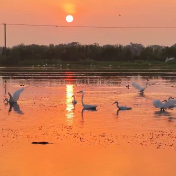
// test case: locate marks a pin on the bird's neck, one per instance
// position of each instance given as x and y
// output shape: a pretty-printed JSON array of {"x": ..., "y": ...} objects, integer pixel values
[{"x": 82, "y": 99}]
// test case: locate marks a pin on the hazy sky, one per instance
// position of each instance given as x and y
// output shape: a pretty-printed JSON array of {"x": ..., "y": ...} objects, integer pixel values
[{"x": 92, "y": 13}]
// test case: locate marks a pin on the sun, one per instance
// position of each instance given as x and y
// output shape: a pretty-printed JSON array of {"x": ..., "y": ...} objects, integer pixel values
[{"x": 69, "y": 18}]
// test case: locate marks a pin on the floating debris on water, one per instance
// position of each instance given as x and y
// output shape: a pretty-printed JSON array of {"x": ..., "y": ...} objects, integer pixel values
[{"x": 43, "y": 143}]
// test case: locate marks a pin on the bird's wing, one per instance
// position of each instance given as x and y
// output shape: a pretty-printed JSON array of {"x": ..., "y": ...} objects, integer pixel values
[
  {"x": 11, "y": 106},
  {"x": 158, "y": 104},
  {"x": 136, "y": 86},
  {"x": 170, "y": 103},
  {"x": 125, "y": 107},
  {"x": 173, "y": 101},
  {"x": 17, "y": 108},
  {"x": 86, "y": 106},
  {"x": 16, "y": 94}
]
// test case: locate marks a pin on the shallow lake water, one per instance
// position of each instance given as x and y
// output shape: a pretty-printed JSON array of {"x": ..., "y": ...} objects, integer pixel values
[{"x": 136, "y": 142}]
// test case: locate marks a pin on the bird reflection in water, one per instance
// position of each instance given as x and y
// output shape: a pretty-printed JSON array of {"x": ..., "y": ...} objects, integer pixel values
[
  {"x": 162, "y": 113},
  {"x": 165, "y": 114},
  {"x": 15, "y": 107},
  {"x": 140, "y": 95},
  {"x": 171, "y": 119},
  {"x": 85, "y": 109},
  {"x": 119, "y": 110}
]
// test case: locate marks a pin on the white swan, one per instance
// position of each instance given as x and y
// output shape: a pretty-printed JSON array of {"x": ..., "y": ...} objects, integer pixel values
[
  {"x": 74, "y": 101},
  {"x": 86, "y": 106},
  {"x": 165, "y": 104},
  {"x": 122, "y": 107},
  {"x": 159, "y": 104},
  {"x": 171, "y": 101},
  {"x": 15, "y": 97},
  {"x": 141, "y": 89}
]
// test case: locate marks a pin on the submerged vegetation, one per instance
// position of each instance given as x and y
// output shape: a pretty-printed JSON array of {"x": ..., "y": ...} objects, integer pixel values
[{"x": 77, "y": 55}]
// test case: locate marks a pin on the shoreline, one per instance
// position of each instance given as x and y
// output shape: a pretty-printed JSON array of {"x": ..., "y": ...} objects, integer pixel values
[{"x": 98, "y": 67}]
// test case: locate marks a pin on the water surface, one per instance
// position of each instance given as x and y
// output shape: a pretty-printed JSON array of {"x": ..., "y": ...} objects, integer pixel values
[{"x": 140, "y": 141}]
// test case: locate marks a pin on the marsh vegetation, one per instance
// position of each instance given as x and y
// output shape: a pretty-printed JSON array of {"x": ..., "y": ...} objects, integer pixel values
[{"x": 76, "y": 55}]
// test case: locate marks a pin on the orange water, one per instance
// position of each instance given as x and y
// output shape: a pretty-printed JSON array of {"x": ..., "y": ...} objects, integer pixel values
[{"x": 140, "y": 141}]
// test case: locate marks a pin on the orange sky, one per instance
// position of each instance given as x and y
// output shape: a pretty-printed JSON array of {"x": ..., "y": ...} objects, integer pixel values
[{"x": 88, "y": 12}]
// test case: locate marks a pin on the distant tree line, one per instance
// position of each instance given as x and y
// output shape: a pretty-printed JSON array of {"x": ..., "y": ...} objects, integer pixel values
[{"x": 75, "y": 52}]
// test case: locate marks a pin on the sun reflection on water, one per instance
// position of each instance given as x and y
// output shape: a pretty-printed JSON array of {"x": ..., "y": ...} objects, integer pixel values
[{"x": 69, "y": 106}]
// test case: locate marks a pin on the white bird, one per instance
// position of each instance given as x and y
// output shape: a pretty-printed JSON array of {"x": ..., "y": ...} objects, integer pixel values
[
  {"x": 86, "y": 106},
  {"x": 15, "y": 97},
  {"x": 171, "y": 100},
  {"x": 170, "y": 103},
  {"x": 159, "y": 104},
  {"x": 74, "y": 101},
  {"x": 141, "y": 89},
  {"x": 122, "y": 107},
  {"x": 165, "y": 104},
  {"x": 169, "y": 59}
]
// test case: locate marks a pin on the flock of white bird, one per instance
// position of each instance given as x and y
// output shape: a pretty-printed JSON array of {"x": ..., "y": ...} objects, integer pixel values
[{"x": 162, "y": 105}]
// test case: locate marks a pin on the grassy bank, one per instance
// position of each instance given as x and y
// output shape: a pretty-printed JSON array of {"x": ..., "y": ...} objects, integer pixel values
[
  {"x": 106, "y": 65},
  {"x": 94, "y": 65}
]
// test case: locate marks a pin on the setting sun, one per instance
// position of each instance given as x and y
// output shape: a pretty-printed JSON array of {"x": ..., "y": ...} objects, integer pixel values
[{"x": 69, "y": 18}]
